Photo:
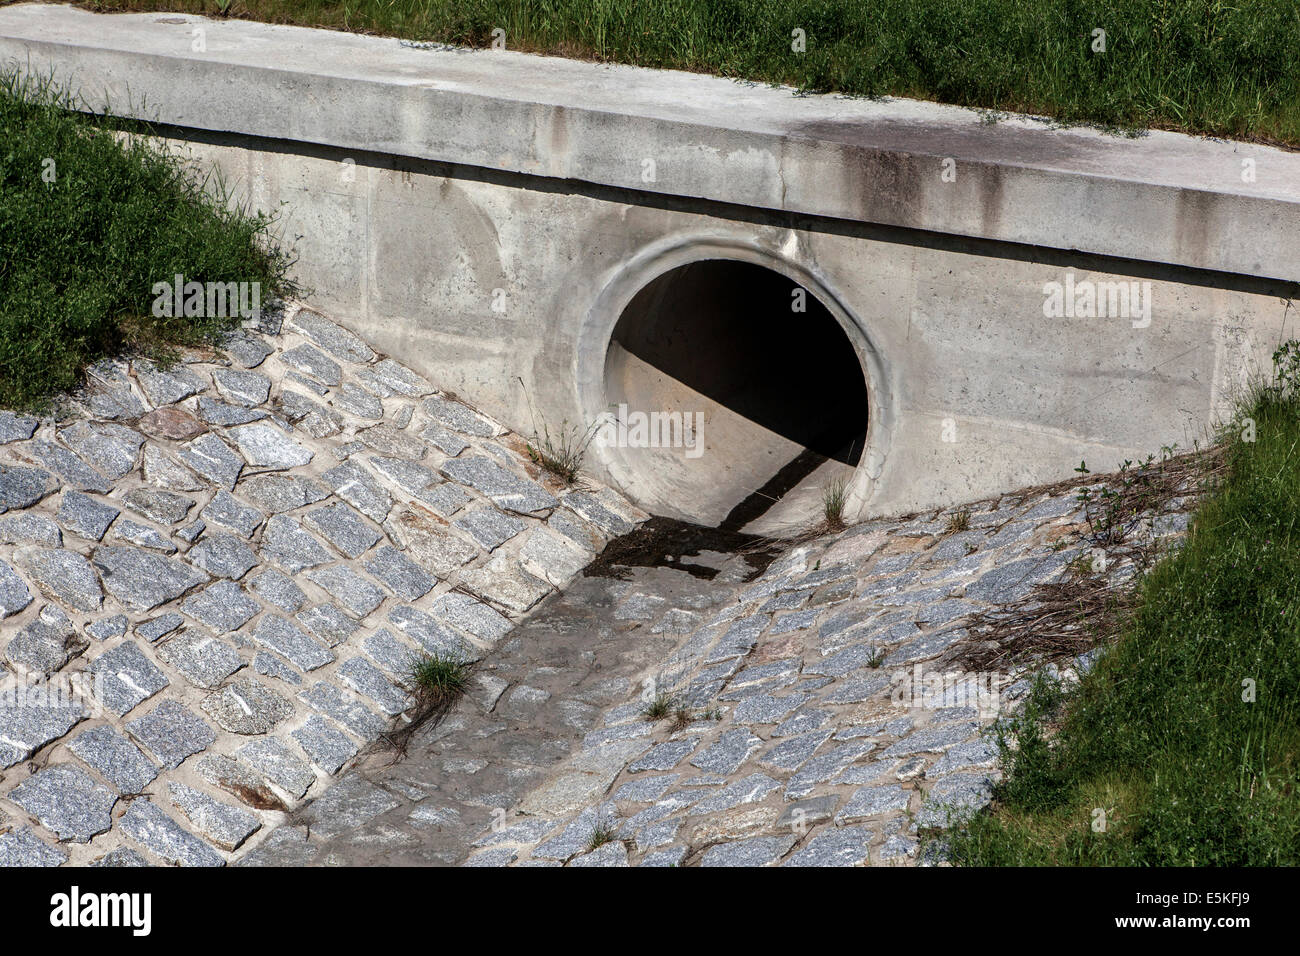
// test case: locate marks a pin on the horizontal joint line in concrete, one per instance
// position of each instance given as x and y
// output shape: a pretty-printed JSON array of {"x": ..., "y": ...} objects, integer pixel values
[{"x": 1063, "y": 258}]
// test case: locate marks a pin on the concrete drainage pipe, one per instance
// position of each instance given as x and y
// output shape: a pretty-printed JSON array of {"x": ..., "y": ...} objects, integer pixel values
[{"x": 734, "y": 397}]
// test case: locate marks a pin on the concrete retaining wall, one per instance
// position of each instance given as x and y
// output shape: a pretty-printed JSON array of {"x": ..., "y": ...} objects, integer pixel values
[{"x": 488, "y": 214}]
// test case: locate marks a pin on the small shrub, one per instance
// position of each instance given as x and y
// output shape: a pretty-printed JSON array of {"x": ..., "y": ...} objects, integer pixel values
[{"x": 1286, "y": 367}]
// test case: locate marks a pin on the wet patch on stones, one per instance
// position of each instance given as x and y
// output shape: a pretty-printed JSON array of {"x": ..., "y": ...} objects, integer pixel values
[{"x": 663, "y": 542}]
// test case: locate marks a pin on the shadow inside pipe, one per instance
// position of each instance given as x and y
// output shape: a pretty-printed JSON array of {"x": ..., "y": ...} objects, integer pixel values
[{"x": 757, "y": 343}]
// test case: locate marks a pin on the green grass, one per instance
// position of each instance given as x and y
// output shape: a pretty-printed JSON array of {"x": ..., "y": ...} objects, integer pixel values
[
  {"x": 1203, "y": 66},
  {"x": 1159, "y": 736},
  {"x": 604, "y": 833},
  {"x": 833, "y": 498},
  {"x": 88, "y": 225},
  {"x": 438, "y": 679},
  {"x": 561, "y": 453},
  {"x": 660, "y": 707}
]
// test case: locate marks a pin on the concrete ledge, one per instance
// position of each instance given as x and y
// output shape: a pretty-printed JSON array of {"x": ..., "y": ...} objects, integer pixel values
[{"x": 1161, "y": 198}]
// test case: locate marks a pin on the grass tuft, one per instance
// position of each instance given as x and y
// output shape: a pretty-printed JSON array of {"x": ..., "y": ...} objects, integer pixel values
[
  {"x": 438, "y": 680},
  {"x": 1182, "y": 746},
  {"x": 682, "y": 718},
  {"x": 90, "y": 221},
  {"x": 561, "y": 454},
  {"x": 660, "y": 707},
  {"x": 833, "y": 498},
  {"x": 1199, "y": 66},
  {"x": 604, "y": 833}
]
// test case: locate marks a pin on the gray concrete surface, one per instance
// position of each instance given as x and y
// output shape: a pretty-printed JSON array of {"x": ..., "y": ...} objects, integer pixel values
[
  {"x": 490, "y": 215},
  {"x": 1160, "y": 198}
]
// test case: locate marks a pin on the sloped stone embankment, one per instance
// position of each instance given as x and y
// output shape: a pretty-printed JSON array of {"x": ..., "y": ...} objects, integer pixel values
[
  {"x": 820, "y": 714},
  {"x": 213, "y": 578}
]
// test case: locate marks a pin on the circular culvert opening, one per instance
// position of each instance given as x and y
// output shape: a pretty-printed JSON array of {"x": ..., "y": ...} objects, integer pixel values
[{"x": 734, "y": 398}]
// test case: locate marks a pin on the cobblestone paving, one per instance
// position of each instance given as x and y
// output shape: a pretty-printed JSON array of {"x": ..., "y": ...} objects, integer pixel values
[
  {"x": 533, "y": 699},
  {"x": 213, "y": 577},
  {"x": 815, "y": 731},
  {"x": 825, "y": 727}
]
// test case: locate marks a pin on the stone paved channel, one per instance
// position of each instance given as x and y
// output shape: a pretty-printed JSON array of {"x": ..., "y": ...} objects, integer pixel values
[
  {"x": 532, "y": 701},
  {"x": 214, "y": 576},
  {"x": 812, "y": 730}
]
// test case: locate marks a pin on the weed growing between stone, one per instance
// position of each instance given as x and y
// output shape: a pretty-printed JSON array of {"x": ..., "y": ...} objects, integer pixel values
[
  {"x": 683, "y": 717},
  {"x": 833, "y": 496},
  {"x": 602, "y": 834},
  {"x": 1116, "y": 503},
  {"x": 1182, "y": 746},
  {"x": 436, "y": 681},
  {"x": 660, "y": 707},
  {"x": 665, "y": 705},
  {"x": 561, "y": 453},
  {"x": 439, "y": 679}
]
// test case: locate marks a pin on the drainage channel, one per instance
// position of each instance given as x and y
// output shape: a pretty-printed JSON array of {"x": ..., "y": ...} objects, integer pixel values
[
  {"x": 532, "y": 702},
  {"x": 534, "y": 699},
  {"x": 667, "y": 542}
]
